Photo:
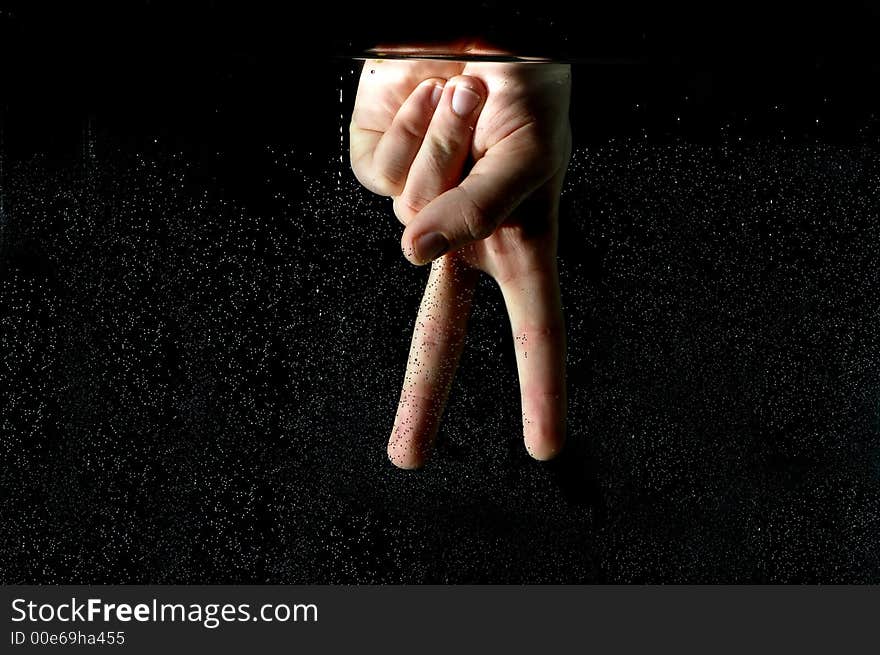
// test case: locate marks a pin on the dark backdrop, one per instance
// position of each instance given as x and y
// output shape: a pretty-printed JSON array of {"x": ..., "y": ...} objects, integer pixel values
[{"x": 204, "y": 320}]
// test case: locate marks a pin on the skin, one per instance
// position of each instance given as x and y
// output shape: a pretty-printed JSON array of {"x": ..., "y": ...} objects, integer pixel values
[{"x": 488, "y": 182}]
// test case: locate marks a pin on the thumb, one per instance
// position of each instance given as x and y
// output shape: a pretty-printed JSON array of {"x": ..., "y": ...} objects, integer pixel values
[{"x": 506, "y": 175}]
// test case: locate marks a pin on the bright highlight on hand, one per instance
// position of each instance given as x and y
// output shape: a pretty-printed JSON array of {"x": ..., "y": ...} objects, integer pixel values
[{"x": 474, "y": 157}]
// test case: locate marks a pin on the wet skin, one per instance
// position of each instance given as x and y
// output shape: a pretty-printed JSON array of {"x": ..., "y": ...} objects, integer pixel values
[{"x": 473, "y": 156}]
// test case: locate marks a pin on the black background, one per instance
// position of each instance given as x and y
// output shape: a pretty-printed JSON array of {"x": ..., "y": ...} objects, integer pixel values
[{"x": 205, "y": 319}]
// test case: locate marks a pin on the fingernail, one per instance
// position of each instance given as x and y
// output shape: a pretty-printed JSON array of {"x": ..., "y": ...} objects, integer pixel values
[
  {"x": 464, "y": 101},
  {"x": 430, "y": 246},
  {"x": 435, "y": 95}
]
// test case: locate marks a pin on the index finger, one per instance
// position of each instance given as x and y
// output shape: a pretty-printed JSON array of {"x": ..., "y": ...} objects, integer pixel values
[{"x": 437, "y": 342}]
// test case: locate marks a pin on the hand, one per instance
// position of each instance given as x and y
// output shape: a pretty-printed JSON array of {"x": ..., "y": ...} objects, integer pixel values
[{"x": 416, "y": 127}]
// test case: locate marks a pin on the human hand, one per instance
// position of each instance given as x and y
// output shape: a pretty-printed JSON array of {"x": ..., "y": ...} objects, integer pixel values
[{"x": 416, "y": 126}]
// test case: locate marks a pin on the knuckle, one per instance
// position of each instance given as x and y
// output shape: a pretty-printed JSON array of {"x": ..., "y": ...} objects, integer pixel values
[
  {"x": 475, "y": 220},
  {"x": 539, "y": 332},
  {"x": 414, "y": 201},
  {"x": 385, "y": 183},
  {"x": 411, "y": 127},
  {"x": 402, "y": 210},
  {"x": 442, "y": 148}
]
